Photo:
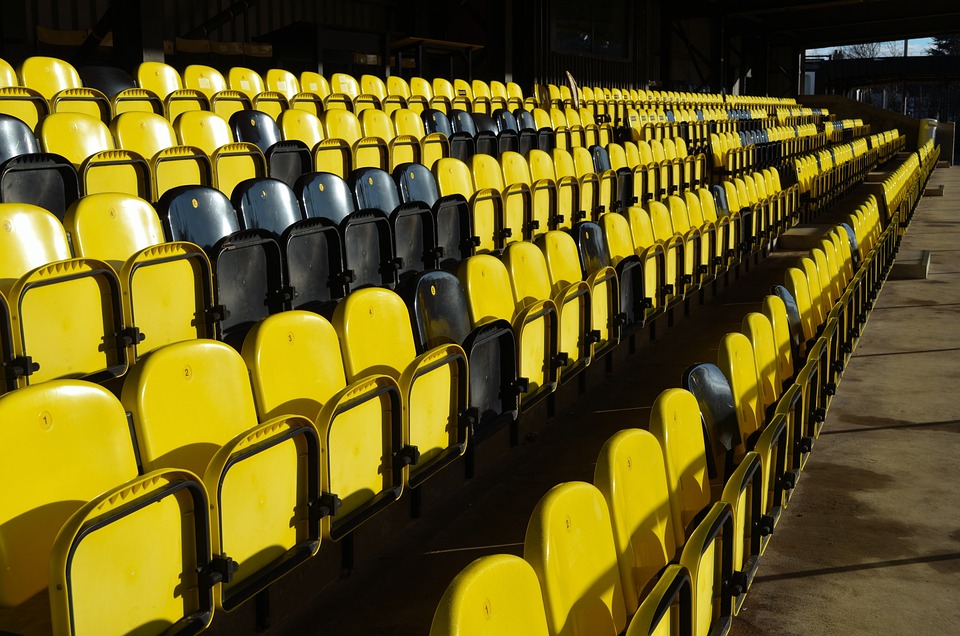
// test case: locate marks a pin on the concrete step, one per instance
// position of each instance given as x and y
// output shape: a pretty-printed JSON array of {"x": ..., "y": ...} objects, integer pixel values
[{"x": 911, "y": 265}]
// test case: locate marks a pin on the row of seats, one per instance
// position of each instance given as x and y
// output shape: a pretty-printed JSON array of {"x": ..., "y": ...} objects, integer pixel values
[
  {"x": 678, "y": 517},
  {"x": 338, "y": 448},
  {"x": 325, "y": 237}
]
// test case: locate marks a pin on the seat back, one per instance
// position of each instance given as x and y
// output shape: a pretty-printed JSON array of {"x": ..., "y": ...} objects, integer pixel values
[
  {"x": 255, "y": 127},
  {"x": 144, "y": 133},
  {"x": 324, "y": 195},
  {"x": 495, "y": 595},
  {"x": 377, "y": 336},
  {"x": 675, "y": 422},
  {"x": 485, "y": 279},
  {"x": 48, "y": 75},
  {"x": 197, "y": 214},
  {"x": 374, "y": 188},
  {"x": 415, "y": 182},
  {"x": 295, "y": 364},
  {"x": 205, "y": 130},
  {"x": 300, "y": 125},
  {"x": 52, "y": 430},
  {"x": 75, "y": 136},
  {"x": 776, "y": 312},
  {"x": 158, "y": 77},
  {"x": 205, "y": 79},
  {"x": 266, "y": 204},
  {"x": 631, "y": 474},
  {"x": 214, "y": 403},
  {"x": 112, "y": 227},
  {"x": 16, "y": 138},
  {"x": 736, "y": 359},
  {"x": 758, "y": 328},
  {"x": 570, "y": 545},
  {"x": 721, "y": 430}
]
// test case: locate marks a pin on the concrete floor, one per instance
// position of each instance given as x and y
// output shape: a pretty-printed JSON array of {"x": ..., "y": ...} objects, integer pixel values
[{"x": 871, "y": 539}]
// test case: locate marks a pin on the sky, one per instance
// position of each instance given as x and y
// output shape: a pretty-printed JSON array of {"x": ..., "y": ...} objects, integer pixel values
[{"x": 914, "y": 47}]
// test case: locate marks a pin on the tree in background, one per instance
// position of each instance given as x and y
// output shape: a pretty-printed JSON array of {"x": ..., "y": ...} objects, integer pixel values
[
  {"x": 870, "y": 50},
  {"x": 945, "y": 45}
]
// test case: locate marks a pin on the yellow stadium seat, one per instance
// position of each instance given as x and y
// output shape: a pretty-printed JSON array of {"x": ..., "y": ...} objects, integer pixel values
[
  {"x": 262, "y": 478},
  {"x": 496, "y": 595}
]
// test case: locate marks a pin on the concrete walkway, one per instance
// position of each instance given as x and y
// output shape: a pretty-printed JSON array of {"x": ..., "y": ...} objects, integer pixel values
[{"x": 871, "y": 540}]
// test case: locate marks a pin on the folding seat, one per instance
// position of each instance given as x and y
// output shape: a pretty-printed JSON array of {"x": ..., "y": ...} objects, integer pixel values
[
  {"x": 120, "y": 88},
  {"x": 727, "y": 241},
  {"x": 499, "y": 96},
  {"x": 748, "y": 223},
  {"x": 463, "y": 145},
  {"x": 494, "y": 595},
  {"x": 67, "y": 533},
  {"x": 696, "y": 237},
  {"x": 263, "y": 479},
  {"x": 588, "y": 182},
  {"x": 482, "y": 96},
  {"x": 301, "y": 125},
  {"x": 531, "y": 285},
  {"x": 486, "y": 206},
  {"x": 544, "y": 214},
  {"x": 282, "y": 81},
  {"x": 422, "y": 91},
  {"x": 433, "y": 146},
  {"x": 546, "y": 137},
  {"x": 398, "y": 88},
  {"x": 312, "y": 250},
  {"x": 515, "y": 97},
  {"x": 295, "y": 364},
  {"x": 365, "y": 152},
  {"x": 373, "y": 325},
  {"x": 345, "y": 88},
  {"x": 641, "y": 271},
  {"x": 374, "y": 86},
  {"x": 616, "y": 186},
  {"x": 247, "y": 265},
  {"x": 631, "y": 474},
  {"x": 313, "y": 82},
  {"x": 720, "y": 535},
  {"x": 443, "y": 92},
  {"x": 487, "y": 284},
  {"x": 507, "y": 126},
  {"x": 569, "y": 209},
  {"x": 712, "y": 231},
  {"x": 455, "y": 239},
  {"x": 402, "y": 148},
  {"x": 572, "y": 262},
  {"x": 166, "y": 83},
  {"x": 46, "y": 180},
  {"x": 59, "y": 82},
  {"x": 366, "y": 236},
  {"x": 681, "y": 251},
  {"x": 439, "y": 314},
  {"x": 668, "y": 608},
  {"x": 232, "y": 161},
  {"x": 224, "y": 101},
  {"x": 156, "y": 526},
  {"x": 249, "y": 82},
  {"x": 153, "y": 138},
  {"x": 167, "y": 288},
  {"x": 507, "y": 140},
  {"x": 517, "y": 199},
  {"x": 463, "y": 97},
  {"x": 570, "y": 546},
  {"x": 87, "y": 143},
  {"x": 412, "y": 225},
  {"x": 39, "y": 278},
  {"x": 286, "y": 159},
  {"x": 16, "y": 139}
]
